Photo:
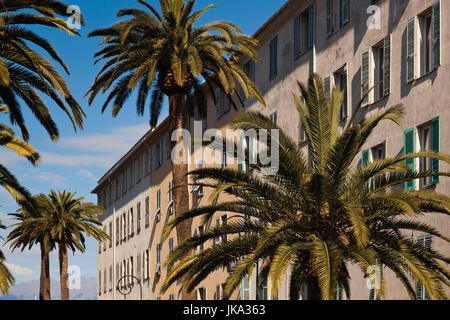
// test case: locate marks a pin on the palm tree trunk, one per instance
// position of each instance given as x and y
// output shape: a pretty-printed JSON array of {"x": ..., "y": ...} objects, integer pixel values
[
  {"x": 63, "y": 271},
  {"x": 180, "y": 180},
  {"x": 313, "y": 290},
  {"x": 44, "y": 288}
]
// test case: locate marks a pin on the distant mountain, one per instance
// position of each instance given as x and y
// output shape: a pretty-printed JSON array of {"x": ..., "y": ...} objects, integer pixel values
[{"x": 30, "y": 291}]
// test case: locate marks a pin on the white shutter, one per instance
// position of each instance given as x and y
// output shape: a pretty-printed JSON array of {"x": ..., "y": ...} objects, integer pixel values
[
  {"x": 410, "y": 49},
  {"x": 436, "y": 35},
  {"x": 365, "y": 76}
]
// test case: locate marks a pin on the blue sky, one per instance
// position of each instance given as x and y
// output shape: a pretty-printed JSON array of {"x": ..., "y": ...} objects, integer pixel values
[{"x": 78, "y": 160}]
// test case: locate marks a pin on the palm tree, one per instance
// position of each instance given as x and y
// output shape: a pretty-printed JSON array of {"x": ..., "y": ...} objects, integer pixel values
[
  {"x": 57, "y": 218},
  {"x": 70, "y": 221},
  {"x": 26, "y": 74},
  {"x": 10, "y": 183},
  {"x": 32, "y": 229},
  {"x": 163, "y": 52},
  {"x": 6, "y": 278},
  {"x": 317, "y": 218}
]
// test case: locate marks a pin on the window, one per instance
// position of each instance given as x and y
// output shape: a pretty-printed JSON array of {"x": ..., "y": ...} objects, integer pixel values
[
  {"x": 224, "y": 222},
  {"x": 168, "y": 141},
  {"x": 421, "y": 292},
  {"x": 217, "y": 103},
  {"x": 138, "y": 218},
  {"x": 246, "y": 288},
  {"x": 124, "y": 182},
  {"x": 429, "y": 139},
  {"x": 117, "y": 184},
  {"x": 341, "y": 82},
  {"x": 117, "y": 231},
  {"x": 329, "y": 17},
  {"x": 429, "y": 25},
  {"x": 99, "y": 283},
  {"x": 171, "y": 297},
  {"x": 125, "y": 230},
  {"x": 379, "y": 152},
  {"x": 198, "y": 189},
  {"x": 131, "y": 222},
  {"x": 263, "y": 293},
  {"x": 274, "y": 117},
  {"x": 304, "y": 31},
  {"x": 104, "y": 281},
  {"x": 273, "y": 57},
  {"x": 104, "y": 241},
  {"x": 218, "y": 293},
  {"x": 217, "y": 239},
  {"x": 170, "y": 204},
  {"x": 145, "y": 166},
  {"x": 343, "y": 12},
  {"x": 158, "y": 259},
  {"x": 138, "y": 169},
  {"x": 200, "y": 293},
  {"x": 340, "y": 292},
  {"x": 249, "y": 69},
  {"x": 158, "y": 205},
  {"x": 110, "y": 234},
  {"x": 382, "y": 68},
  {"x": 409, "y": 147},
  {"x": 226, "y": 106},
  {"x": 224, "y": 159},
  {"x": 147, "y": 212}
]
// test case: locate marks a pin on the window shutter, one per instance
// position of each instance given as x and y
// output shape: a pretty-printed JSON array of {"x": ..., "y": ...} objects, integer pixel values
[
  {"x": 409, "y": 147},
  {"x": 297, "y": 36},
  {"x": 327, "y": 83},
  {"x": 435, "y": 146},
  {"x": 436, "y": 35},
  {"x": 217, "y": 100},
  {"x": 329, "y": 17},
  {"x": 410, "y": 49},
  {"x": 161, "y": 152},
  {"x": 273, "y": 57},
  {"x": 419, "y": 288},
  {"x": 365, "y": 76},
  {"x": 344, "y": 108},
  {"x": 365, "y": 157},
  {"x": 387, "y": 65},
  {"x": 168, "y": 145},
  {"x": 311, "y": 27},
  {"x": 252, "y": 74},
  {"x": 372, "y": 294},
  {"x": 155, "y": 157},
  {"x": 365, "y": 160}
]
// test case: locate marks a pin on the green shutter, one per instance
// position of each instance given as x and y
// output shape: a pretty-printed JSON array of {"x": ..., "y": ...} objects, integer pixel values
[
  {"x": 296, "y": 36},
  {"x": 410, "y": 49},
  {"x": 436, "y": 35},
  {"x": 365, "y": 76},
  {"x": 435, "y": 146},
  {"x": 409, "y": 147},
  {"x": 365, "y": 160},
  {"x": 387, "y": 65}
]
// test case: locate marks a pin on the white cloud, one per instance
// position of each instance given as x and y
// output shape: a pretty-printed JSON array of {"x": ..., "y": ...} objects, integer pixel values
[
  {"x": 86, "y": 174},
  {"x": 118, "y": 141},
  {"x": 55, "y": 180},
  {"x": 19, "y": 270}
]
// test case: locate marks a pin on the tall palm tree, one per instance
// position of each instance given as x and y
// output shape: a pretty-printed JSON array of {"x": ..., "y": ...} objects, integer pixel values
[
  {"x": 318, "y": 217},
  {"x": 32, "y": 228},
  {"x": 10, "y": 183},
  {"x": 163, "y": 52},
  {"x": 6, "y": 278},
  {"x": 65, "y": 220},
  {"x": 25, "y": 74}
]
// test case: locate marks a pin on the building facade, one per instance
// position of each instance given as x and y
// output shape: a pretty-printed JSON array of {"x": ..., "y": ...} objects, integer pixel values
[{"x": 398, "y": 45}]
